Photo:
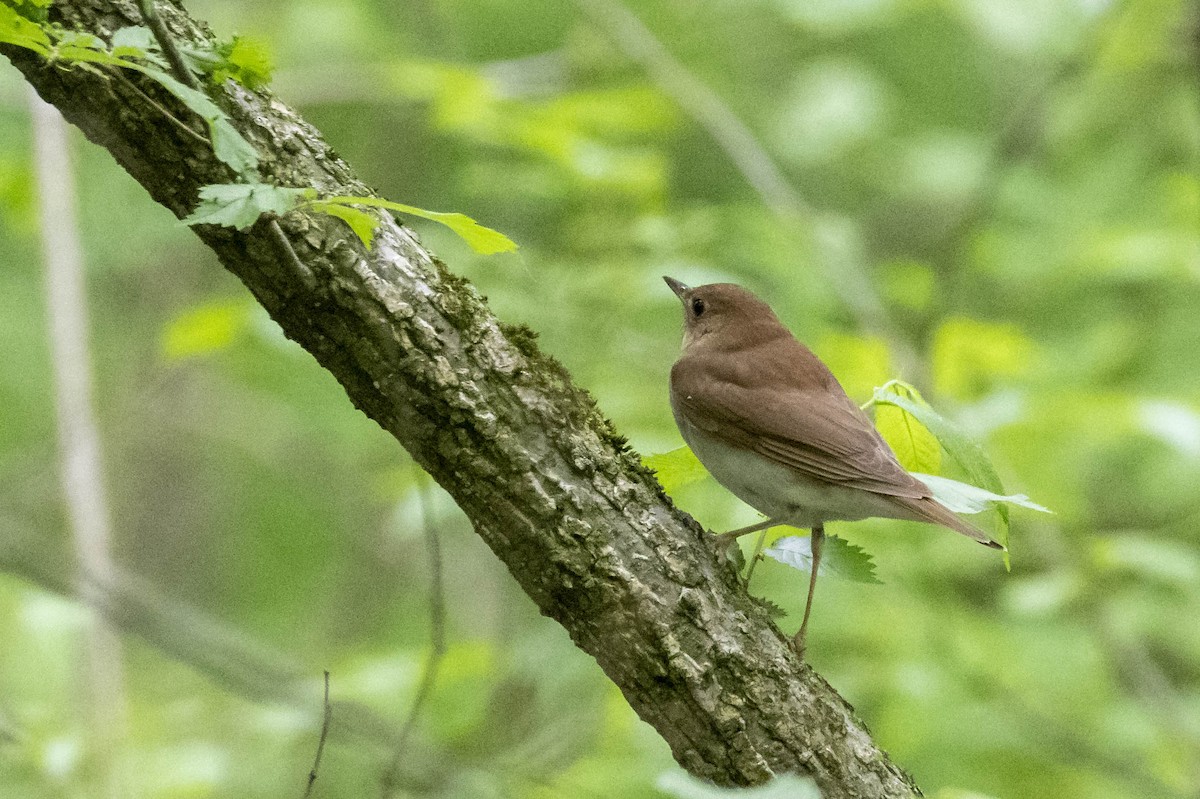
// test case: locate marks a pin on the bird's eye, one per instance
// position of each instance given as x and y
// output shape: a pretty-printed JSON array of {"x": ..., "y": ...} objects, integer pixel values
[{"x": 697, "y": 306}]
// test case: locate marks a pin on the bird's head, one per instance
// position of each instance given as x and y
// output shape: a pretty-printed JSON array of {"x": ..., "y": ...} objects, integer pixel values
[{"x": 723, "y": 316}]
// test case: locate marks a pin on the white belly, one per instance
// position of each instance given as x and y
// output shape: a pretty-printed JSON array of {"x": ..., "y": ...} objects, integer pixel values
[{"x": 780, "y": 492}]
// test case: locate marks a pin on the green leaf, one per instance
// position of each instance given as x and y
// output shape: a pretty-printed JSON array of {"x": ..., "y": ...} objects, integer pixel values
[
  {"x": 775, "y": 611},
  {"x": 676, "y": 468},
  {"x": 915, "y": 446},
  {"x": 964, "y": 498},
  {"x": 134, "y": 38},
  {"x": 76, "y": 53},
  {"x": 137, "y": 41},
  {"x": 239, "y": 205},
  {"x": 15, "y": 29},
  {"x": 230, "y": 147},
  {"x": 362, "y": 223},
  {"x": 208, "y": 328},
  {"x": 482, "y": 239},
  {"x": 969, "y": 455},
  {"x": 246, "y": 60},
  {"x": 228, "y": 144},
  {"x": 839, "y": 558},
  {"x": 80, "y": 39},
  {"x": 681, "y": 785}
]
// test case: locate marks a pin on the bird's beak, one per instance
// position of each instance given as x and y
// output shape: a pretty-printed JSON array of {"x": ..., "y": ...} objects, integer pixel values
[{"x": 679, "y": 288}]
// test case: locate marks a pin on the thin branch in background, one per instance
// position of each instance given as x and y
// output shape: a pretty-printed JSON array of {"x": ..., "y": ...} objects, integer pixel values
[
  {"x": 325, "y": 716},
  {"x": 78, "y": 436},
  {"x": 437, "y": 644},
  {"x": 751, "y": 158}
]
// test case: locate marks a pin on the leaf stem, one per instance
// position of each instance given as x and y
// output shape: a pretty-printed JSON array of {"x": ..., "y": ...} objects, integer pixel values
[{"x": 757, "y": 555}]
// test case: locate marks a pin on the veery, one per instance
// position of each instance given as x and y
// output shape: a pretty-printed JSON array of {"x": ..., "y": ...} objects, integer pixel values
[{"x": 772, "y": 424}]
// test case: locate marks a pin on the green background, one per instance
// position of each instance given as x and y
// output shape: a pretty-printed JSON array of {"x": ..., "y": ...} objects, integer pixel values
[{"x": 1009, "y": 188}]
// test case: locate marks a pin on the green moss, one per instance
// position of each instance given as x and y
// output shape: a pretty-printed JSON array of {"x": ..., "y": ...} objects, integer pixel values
[{"x": 523, "y": 338}]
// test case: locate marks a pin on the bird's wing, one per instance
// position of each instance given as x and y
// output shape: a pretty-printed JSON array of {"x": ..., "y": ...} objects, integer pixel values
[{"x": 815, "y": 429}]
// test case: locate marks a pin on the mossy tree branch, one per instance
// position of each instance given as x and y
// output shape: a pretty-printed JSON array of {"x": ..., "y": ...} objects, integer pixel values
[{"x": 543, "y": 477}]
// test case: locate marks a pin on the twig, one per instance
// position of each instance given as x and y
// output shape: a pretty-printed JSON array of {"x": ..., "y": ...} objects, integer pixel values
[
  {"x": 167, "y": 44},
  {"x": 182, "y": 73},
  {"x": 326, "y": 714},
  {"x": 116, "y": 71},
  {"x": 437, "y": 634},
  {"x": 299, "y": 267}
]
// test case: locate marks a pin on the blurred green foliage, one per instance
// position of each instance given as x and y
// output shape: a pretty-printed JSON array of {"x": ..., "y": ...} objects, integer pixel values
[{"x": 1015, "y": 183}]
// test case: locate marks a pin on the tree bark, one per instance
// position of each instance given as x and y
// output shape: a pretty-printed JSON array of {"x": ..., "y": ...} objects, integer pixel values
[{"x": 545, "y": 479}]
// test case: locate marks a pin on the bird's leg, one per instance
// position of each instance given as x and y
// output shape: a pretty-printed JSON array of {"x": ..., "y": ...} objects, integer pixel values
[
  {"x": 725, "y": 539},
  {"x": 818, "y": 538},
  {"x": 733, "y": 535}
]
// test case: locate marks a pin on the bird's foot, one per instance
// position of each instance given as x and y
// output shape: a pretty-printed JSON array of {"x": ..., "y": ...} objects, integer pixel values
[
  {"x": 722, "y": 543},
  {"x": 798, "y": 646}
]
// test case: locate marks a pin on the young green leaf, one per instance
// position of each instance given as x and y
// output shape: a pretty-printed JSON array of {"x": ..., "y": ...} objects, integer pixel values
[
  {"x": 963, "y": 498},
  {"x": 917, "y": 449},
  {"x": 239, "y": 205},
  {"x": 482, "y": 239},
  {"x": 361, "y": 223},
  {"x": 228, "y": 145},
  {"x": 969, "y": 455},
  {"x": 137, "y": 41},
  {"x": 676, "y": 468},
  {"x": 15, "y": 29},
  {"x": 839, "y": 557},
  {"x": 246, "y": 60},
  {"x": 34, "y": 10},
  {"x": 775, "y": 611}
]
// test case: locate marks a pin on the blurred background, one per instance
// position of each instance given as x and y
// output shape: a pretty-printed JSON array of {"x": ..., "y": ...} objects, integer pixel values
[{"x": 997, "y": 200}]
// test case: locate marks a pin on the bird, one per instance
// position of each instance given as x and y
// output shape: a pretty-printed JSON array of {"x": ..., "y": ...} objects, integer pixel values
[{"x": 773, "y": 425}]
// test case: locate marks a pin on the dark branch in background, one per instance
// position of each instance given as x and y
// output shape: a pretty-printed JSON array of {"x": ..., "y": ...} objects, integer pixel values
[
  {"x": 546, "y": 482},
  {"x": 326, "y": 714},
  {"x": 437, "y": 642}
]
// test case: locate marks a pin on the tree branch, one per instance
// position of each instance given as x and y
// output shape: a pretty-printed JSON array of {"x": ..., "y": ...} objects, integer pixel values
[
  {"x": 546, "y": 481},
  {"x": 81, "y": 474}
]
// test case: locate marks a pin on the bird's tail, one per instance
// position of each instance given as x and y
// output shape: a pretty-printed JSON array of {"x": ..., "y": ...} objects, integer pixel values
[{"x": 927, "y": 509}]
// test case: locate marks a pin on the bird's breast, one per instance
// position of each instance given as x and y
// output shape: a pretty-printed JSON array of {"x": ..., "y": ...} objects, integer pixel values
[{"x": 775, "y": 490}]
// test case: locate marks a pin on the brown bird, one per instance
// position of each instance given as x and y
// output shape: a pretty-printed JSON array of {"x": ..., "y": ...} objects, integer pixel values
[{"x": 772, "y": 424}]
